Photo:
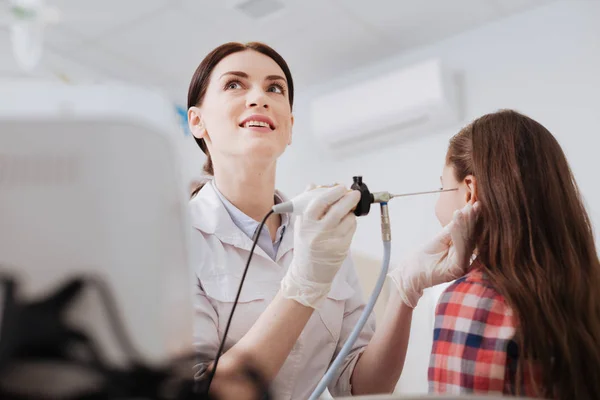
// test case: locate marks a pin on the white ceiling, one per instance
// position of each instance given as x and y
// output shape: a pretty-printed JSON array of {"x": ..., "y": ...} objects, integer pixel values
[{"x": 160, "y": 42}]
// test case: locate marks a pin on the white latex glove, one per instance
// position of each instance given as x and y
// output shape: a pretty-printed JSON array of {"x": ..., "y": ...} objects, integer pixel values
[
  {"x": 322, "y": 238},
  {"x": 445, "y": 258}
]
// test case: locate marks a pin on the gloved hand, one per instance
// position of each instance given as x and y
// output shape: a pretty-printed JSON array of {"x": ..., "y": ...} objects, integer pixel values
[
  {"x": 445, "y": 258},
  {"x": 322, "y": 237}
]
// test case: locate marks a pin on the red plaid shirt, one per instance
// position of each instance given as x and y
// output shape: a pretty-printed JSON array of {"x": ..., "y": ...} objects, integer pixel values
[{"x": 473, "y": 347}]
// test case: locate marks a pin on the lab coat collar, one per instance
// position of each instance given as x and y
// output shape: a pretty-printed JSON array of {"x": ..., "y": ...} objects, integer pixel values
[
  {"x": 210, "y": 216},
  {"x": 250, "y": 226}
]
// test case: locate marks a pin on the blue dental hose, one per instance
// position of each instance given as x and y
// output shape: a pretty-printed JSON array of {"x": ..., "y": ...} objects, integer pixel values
[{"x": 337, "y": 363}]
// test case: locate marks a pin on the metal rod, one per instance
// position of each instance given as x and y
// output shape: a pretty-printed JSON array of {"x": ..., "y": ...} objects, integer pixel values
[
  {"x": 386, "y": 229},
  {"x": 418, "y": 193}
]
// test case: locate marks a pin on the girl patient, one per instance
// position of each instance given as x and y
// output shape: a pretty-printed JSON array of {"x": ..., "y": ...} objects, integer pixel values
[{"x": 525, "y": 319}]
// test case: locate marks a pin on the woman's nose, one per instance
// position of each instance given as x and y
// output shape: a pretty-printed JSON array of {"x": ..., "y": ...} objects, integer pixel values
[{"x": 257, "y": 98}]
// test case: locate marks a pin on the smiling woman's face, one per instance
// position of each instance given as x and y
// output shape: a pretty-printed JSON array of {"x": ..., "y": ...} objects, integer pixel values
[{"x": 246, "y": 111}]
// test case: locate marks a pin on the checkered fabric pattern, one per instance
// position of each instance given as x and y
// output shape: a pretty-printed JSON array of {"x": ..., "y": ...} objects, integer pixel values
[{"x": 473, "y": 347}]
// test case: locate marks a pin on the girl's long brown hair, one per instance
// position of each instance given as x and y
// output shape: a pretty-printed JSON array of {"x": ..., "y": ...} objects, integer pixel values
[{"x": 536, "y": 243}]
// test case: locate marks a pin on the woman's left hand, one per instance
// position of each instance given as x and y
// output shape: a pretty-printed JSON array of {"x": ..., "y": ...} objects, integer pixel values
[{"x": 445, "y": 258}]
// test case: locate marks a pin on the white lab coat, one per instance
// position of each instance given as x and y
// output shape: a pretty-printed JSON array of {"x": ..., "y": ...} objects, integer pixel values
[{"x": 223, "y": 250}]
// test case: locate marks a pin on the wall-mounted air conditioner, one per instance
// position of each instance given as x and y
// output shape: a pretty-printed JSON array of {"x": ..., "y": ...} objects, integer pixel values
[{"x": 403, "y": 104}]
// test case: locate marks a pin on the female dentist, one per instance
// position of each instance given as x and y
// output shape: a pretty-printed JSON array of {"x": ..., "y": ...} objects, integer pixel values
[{"x": 301, "y": 297}]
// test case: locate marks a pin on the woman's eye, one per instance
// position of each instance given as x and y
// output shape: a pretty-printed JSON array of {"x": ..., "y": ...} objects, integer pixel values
[
  {"x": 233, "y": 85},
  {"x": 276, "y": 89}
]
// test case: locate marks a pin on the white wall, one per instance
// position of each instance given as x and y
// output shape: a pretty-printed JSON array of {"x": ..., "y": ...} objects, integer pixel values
[{"x": 544, "y": 63}]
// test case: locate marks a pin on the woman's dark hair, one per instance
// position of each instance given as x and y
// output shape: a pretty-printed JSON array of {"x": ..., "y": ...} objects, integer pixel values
[
  {"x": 536, "y": 243},
  {"x": 201, "y": 79}
]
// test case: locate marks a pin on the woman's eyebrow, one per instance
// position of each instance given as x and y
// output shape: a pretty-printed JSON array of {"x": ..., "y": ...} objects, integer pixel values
[
  {"x": 236, "y": 73},
  {"x": 275, "y": 78}
]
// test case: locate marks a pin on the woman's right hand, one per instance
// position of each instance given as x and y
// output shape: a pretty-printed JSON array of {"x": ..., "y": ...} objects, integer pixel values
[{"x": 322, "y": 238}]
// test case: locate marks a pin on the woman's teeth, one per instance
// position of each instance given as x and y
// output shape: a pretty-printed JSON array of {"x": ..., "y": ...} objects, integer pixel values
[{"x": 256, "y": 123}]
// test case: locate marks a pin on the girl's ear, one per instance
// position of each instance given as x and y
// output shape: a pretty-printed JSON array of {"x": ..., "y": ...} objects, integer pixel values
[{"x": 471, "y": 193}]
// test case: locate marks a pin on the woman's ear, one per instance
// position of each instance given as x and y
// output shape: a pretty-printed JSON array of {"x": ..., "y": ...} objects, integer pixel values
[
  {"x": 291, "y": 130},
  {"x": 471, "y": 193},
  {"x": 195, "y": 123}
]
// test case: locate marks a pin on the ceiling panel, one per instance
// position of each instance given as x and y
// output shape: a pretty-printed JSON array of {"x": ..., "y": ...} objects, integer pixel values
[
  {"x": 61, "y": 36},
  {"x": 325, "y": 49},
  {"x": 110, "y": 66},
  {"x": 160, "y": 42},
  {"x": 511, "y": 6},
  {"x": 69, "y": 70},
  {"x": 198, "y": 27},
  {"x": 442, "y": 24},
  {"x": 94, "y": 18},
  {"x": 294, "y": 16},
  {"x": 173, "y": 51},
  {"x": 412, "y": 23}
]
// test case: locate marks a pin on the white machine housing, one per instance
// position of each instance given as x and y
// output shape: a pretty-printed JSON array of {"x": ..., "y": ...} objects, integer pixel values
[
  {"x": 399, "y": 105},
  {"x": 91, "y": 184}
]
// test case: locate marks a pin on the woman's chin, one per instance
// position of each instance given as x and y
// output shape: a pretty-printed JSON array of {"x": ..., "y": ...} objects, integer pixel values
[{"x": 265, "y": 148}]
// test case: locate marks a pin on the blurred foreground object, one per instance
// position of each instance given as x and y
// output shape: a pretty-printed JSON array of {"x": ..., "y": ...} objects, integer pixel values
[{"x": 95, "y": 293}]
